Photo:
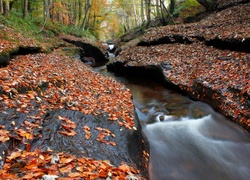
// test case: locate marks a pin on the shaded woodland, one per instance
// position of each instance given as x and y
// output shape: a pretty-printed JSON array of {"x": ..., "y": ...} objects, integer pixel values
[{"x": 107, "y": 19}]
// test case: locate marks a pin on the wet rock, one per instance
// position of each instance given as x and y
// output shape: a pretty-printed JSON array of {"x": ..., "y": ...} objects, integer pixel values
[
  {"x": 118, "y": 145},
  {"x": 88, "y": 60},
  {"x": 165, "y": 65},
  {"x": 89, "y": 49}
]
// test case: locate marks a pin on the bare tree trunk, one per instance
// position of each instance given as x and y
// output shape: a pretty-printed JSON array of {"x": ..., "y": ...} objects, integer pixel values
[
  {"x": 79, "y": 14},
  {"x": 6, "y": 7},
  {"x": 51, "y": 10},
  {"x": 86, "y": 16},
  {"x": 46, "y": 7},
  {"x": 166, "y": 10},
  {"x": 25, "y": 8},
  {"x": 135, "y": 13},
  {"x": 157, "y": 8},
  {"x": 163, "y": 19},
  {"x": 208, "y": 4},
  {"x": 172, "y": 6},
  {"x": 148, "y": 10},
  {"x": 1, "y": 6},
  {"x": 74, "y": 11},
  {"x": 79, "y": 11},
  {"x": 94, "y": 21},
  {"x": 46, "y": 12},
  {"x": 142, "y": 11}
]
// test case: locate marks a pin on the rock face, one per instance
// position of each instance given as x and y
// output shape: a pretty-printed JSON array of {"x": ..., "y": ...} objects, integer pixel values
[
  {"x": 16, "y": 44},
  {"x": 208, "y": 60},
  {"x": 6, "y": 55},
  {"x": 92, "y": 53}
]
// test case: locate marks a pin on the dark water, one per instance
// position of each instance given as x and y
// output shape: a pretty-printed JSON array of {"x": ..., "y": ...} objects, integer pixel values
[{"x": 188, "y": 140}]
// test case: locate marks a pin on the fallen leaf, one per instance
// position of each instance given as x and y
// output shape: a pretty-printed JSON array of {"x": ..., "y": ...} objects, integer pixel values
[{"x": 14, "y": 155}]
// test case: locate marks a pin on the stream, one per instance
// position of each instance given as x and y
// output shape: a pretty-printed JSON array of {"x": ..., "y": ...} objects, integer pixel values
[{"x": 188, "y": 140}]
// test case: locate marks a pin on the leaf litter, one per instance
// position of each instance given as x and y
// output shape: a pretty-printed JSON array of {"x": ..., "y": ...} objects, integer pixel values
[{"x": 39, "y": 83}]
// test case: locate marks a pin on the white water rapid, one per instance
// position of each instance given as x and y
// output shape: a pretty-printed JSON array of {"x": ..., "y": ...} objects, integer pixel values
[
  {"x": 188, "y": 148},
  {"x": 188, "y": 141}
]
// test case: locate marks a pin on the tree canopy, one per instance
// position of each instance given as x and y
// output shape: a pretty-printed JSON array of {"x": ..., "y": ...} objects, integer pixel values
[{"x": 106, "y": 19}]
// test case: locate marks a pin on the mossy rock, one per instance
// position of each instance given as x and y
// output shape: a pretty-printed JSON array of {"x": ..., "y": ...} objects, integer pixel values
[{"x": 4, "y": 59}]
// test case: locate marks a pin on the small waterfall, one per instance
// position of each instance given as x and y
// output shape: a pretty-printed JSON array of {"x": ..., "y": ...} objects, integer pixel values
[
  {"x": 208, "y": 147},
  {"x": 188, "y": 140}
]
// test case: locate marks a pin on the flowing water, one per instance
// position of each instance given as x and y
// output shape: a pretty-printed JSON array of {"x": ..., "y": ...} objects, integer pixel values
[{"x": 188, "y": 140}]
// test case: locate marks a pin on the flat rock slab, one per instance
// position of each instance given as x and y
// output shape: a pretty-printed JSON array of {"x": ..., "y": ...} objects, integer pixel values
[{"x": 94, "y": 136}]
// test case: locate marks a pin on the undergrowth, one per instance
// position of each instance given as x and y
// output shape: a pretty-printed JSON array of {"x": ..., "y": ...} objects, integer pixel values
[{"x": 33, "y": 28}]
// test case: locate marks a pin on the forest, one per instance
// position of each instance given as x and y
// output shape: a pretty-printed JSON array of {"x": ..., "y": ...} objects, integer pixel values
[{"x": 102, "y": 19}]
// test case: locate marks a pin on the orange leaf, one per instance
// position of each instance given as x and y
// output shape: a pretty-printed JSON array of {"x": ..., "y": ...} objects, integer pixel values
[
  {"x": 66, "y": 160},
  {"x": 38, "y": 175},
  {"x": 81, "y": 160},
  {"x": 124, "y": 168},
  {"x": 70, "y": 133},
  {"x": 102, "y": 174},
  {"x": 14, "y": 155},
  {"x": 75, "y": 175},
  {"x": 28, "y": 176},
  {"x": 112, "y": 143},
  {"x": 101, "y": 137},
  {"x": 98, "y": 128},
  {"x": 87, "y": 135},
  {"x": 79, "y": 168},
  {"x": 66, "y": 127},
  {"x": 4, "y": 135},
  {"x": 86, "y": 128},
  {"x": 66, "y": 169},
  {"x": 87, "y": 131}
]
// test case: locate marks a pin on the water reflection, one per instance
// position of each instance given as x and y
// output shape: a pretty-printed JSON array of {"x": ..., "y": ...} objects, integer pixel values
[{"x": 188, "y": 140}]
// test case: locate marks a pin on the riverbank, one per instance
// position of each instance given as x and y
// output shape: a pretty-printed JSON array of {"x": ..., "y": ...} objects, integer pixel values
[
  {"x": 61, "y": 119},
  {"x": 208, "y": 60}
]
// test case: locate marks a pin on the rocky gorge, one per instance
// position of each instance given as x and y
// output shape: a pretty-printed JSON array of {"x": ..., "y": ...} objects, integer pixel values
[
  {"x": 207, "y": 60},
  {"x": 61, "y": 119}
]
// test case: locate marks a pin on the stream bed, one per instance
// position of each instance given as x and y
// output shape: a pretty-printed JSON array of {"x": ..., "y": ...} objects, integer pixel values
[{"x": 188, "y": 140}]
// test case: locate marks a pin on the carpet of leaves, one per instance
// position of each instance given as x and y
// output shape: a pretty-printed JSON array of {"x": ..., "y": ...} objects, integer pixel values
[
  {"x": 55, "y": 81},
  {"x": 39, "y": 83},
  {"x": 231, "y": 23},
  {"x": 38, "y": 164},
  {"x": 98, "y": 44},
  {"x": 226, "y": 3},
  {"x": 224, "y": 71}
]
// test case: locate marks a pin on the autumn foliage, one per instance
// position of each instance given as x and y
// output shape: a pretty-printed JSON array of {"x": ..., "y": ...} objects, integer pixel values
[
  {"x": 67, "y": 84},
  {"x": 38, "y": 164},
  {"x": 36, "y": 84}
]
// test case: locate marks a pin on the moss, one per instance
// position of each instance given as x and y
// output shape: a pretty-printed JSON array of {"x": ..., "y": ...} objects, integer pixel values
[
  {"x": 188, "y": 8},
  {"x": 4, "y": 58}
]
